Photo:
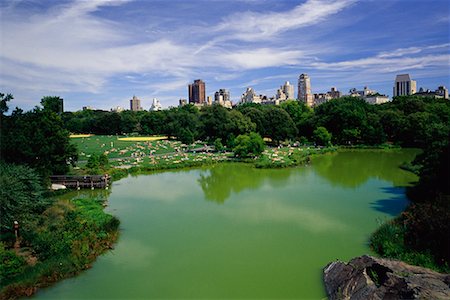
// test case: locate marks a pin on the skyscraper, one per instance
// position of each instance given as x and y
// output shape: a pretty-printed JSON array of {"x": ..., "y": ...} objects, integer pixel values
[
  {"x": 288, "y": 90},
  {"x": 156, "y": 105},
  {"x": 304, "y": 90},
  {"x": 197, "y": 92},
  {"x": 221, "y": 96},
  {"x": 135, "y": 104},
  {"x": 404, "y": 85}
]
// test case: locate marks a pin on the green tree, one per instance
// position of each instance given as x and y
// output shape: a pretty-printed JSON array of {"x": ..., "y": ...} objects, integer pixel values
[
  {"x": 129, "y": 121},
  {"x": 279, "y": 125},
  {"x": 37, "y": 138},
  {"x": 153, "y": 123},
  {"x": 322, "y": 137},
  {"x": 53, "y": 103},
  {"x": 4, "y": 99},
  {"x": 256, "y": 116},
  {"x": 345, "y": 118},
  {"x": 248, "y": 145},
  {"x": 218, "y": 145},
  {"x": 20, "y": 196}
]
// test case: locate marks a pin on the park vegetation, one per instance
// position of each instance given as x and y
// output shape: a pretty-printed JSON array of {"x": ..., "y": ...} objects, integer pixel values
[{"x": 64, "y": 237}]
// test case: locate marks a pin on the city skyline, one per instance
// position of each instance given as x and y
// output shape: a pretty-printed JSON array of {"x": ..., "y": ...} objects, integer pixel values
[{"x": 99, "y": 53}]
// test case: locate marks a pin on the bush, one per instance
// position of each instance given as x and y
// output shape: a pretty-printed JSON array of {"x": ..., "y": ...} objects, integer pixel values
[
  {"x": 20, "y": 195},
  {"x": 248, "y": 145},
  {"x": 10, "y": 263}
]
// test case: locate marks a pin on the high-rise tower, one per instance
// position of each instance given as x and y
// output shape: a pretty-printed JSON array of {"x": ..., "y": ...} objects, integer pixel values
[
  {"x": 304, "y": 90},
  {"x": 404, "y": 85},
  {"x": 288, "y": 90},
  {"x": 135, "y": 104},
  {"x": 197, "y": 92}
]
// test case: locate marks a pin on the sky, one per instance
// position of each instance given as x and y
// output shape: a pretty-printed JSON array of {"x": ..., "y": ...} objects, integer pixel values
[{"x": 100, "y": 53}]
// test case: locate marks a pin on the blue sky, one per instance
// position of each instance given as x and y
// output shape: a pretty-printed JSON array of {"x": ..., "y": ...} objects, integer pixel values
[{"x": 101, "y": 53}]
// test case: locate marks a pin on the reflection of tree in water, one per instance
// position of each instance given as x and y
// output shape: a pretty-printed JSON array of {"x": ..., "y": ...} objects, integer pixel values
[
  {"x": 221, "y": 180},
  {"x": 99, "y": 194},
  {"x": 354, "y": 168}
]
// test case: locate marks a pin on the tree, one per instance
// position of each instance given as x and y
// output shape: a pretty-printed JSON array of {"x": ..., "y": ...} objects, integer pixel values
[
  {"x": 300, "y": 115},
  {"x": 322, "y": 137},
  {"x": 345, "y": 118},
  {"x": 4, "y": 99},
  {"x": 38, "y": 139},
  {"x": 248, "y": 145},
  {"x": 279, "y": 125},
  {"x": 20, "y": 195},
  {"x": 256, "y": 116},
  {"x": 97, "y": 162},
  {"x": 219, "y": 122},
  {"x": 128, "y": 121},
  {"x": 153, "y": 123},
  {"x": 218, "y": 145},
  {"x": 53, "y": 103}
]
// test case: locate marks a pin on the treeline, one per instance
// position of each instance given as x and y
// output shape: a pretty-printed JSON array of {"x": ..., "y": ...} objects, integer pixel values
[
  {"x": 42, "y": 239},
  {"x": 36, "y": 138},
  {"x": 406, "y": 121}
]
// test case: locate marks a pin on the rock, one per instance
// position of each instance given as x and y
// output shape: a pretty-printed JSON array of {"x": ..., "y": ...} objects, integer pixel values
[{"x": 367, "y": 277}]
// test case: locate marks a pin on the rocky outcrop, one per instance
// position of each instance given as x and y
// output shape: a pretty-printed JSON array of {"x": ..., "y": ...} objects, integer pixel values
[{"x": 368, "y": 277}]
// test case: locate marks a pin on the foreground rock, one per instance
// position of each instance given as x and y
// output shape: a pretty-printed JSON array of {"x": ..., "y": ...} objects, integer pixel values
[{"x": 368, "y": 277}]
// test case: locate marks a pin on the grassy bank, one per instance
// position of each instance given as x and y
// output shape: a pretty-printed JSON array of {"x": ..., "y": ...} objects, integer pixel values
[
  {"x": 389, "y": 241},
  {"x": 420, "y": 235},
  {"x": 66, "y": 239}
]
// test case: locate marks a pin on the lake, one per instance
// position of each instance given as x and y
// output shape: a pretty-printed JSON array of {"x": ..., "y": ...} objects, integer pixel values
[{"x": 233, "y": 231}]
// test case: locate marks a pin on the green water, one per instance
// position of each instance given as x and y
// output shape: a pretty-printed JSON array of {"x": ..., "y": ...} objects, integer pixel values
[{"x": 231, "y": 231}]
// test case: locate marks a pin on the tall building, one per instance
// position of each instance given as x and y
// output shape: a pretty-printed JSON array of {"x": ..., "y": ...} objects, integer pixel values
[
  {"x": 441, "y": 92},
  {"x": 404, "y": 85},
  {"x": 182, "y": 102},
  {"x": 304, "y": 90},
  {"x": 197, "y": 92},
  {"x": 222, "y": 97},
  {"x": 288, "y": 90},
  {"x": 155, "y": 105},
  {"x": 249, "y": 96},
  {"x": 135, "y": 104},
  {"x": 334, "y": 93}
]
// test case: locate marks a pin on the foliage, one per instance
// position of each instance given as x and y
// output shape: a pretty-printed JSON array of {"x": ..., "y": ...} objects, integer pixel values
[
  {"x": 248, "y": 145},
  {"x": 37, "y": 138},
  {"x": 218, "y": 122},
  {"x": 279, "y": 125},
  {"x": 425, "y": 225},
  {"x": 389, "y": 241},
  {"x": 4, "y": 99},
  {"x": 322, "y": 137},
  {"x": 96, "y": 162},
  {"x": 53, "y": 104},
  {"x": 20, "y": 196},
  {"x": 256, "y": 116},
  {"x": 67, "y": 237},
  {"x": 218, "y": 146},
  {"x": 10, "y": 264}
]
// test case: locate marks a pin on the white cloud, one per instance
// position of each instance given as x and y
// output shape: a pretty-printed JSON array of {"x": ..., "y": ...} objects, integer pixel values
[
  {"x": 261, "y": 58},
  {"x": 251, "y": 26},
  {"x": 394, "y": 61},
  {"x": 411, "y": 50}
]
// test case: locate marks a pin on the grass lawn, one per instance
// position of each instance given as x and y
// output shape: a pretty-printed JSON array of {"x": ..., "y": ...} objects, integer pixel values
[
  {"x": 122, "y": 147},
  {"x": 161, "y": 153}
]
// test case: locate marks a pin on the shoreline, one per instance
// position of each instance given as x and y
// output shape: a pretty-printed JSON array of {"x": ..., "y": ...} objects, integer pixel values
[{"x": 20, "y": 289}]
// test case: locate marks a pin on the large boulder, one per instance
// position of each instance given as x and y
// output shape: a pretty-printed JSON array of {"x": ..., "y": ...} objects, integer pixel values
[{"x": 367, "y": 277}]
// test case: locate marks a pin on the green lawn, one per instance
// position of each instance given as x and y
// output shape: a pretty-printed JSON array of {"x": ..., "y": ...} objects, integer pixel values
[
  {"x": 122, "y": 151},
  {"x": 161, "y": 154}
]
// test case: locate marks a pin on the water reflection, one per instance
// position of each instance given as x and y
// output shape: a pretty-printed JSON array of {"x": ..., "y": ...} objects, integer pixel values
[
  {"x": 219, "y": 181},
  {"x": 393, "y": 205},
  {"x": 344, "y": 168}
]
